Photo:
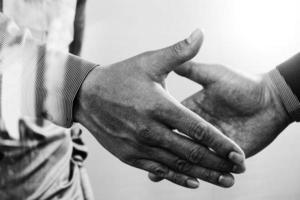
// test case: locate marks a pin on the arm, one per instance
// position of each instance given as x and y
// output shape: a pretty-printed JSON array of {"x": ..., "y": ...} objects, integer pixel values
[
  {"x": 124, "y": 105},
  {"x": 127, "y": 108},
  {"x": 252, "y": 111}
]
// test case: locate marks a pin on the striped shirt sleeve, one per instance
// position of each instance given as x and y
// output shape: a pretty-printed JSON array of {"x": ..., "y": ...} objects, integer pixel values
[{"x": 42, "y": 82}]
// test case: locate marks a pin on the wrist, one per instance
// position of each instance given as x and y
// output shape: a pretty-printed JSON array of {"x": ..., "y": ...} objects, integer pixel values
[{"x": 84, "y": 95}]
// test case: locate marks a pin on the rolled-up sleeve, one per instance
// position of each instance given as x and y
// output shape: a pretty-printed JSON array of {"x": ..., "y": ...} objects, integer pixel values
[{"x": 38, "y": 82}]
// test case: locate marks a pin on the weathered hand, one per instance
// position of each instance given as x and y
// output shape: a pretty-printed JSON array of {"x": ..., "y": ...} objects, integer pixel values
[
  {"x": 127, "y": 108},
  {"x": 248, "y": 110}
]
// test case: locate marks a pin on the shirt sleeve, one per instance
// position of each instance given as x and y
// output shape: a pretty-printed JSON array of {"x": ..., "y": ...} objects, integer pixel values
[
  {"x": 285, "y": 78},
  {"x": 42, "y": 81}
]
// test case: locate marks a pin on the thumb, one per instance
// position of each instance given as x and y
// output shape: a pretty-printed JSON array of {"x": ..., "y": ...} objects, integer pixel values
[
  {"x": 202, "y": 73},
  {"x": 166, "y": 59}
]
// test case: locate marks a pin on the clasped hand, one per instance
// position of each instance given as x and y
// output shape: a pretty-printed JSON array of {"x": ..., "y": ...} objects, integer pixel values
[{"x": 128, "y": 109}]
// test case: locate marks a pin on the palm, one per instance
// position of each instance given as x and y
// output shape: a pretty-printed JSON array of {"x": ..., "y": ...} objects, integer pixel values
[{"x": 243, "y": 109}]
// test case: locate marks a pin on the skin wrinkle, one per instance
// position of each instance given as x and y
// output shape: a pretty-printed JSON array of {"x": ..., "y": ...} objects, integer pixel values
[
  {"x": 122, "y": 122},
  {"x": 115, "y": 121},
  {"x": 206, "y": 174},
  {"x": 132, "y": 144},
  {"x": 229, "y": 124}
]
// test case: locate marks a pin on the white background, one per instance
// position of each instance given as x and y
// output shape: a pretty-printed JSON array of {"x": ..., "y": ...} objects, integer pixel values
[{"x": 251, "y": 36}]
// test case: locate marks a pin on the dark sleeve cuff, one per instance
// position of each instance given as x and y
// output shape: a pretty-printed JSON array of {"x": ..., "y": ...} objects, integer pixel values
[
  {"x": 290, "y": 71},
  {"x": 287, "y": 95}
]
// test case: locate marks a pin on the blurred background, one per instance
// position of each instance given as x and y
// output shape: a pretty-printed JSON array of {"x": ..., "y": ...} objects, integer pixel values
[{"x": 252, "y": 36}]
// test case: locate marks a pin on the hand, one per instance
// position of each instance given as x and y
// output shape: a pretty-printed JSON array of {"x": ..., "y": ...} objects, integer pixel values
[
  {"x": 129, "y": 111},
  {"x": 246, "y": 109}
]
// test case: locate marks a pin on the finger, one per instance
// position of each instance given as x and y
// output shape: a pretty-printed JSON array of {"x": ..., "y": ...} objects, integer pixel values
[
  {"x": 183, "y": 167},
  {"x": 225, "y": 180},
  {"x": 201, "y": 73},
  {"x": 187, "y": 149},
  {"x": 154, "y": 177},
  {"x": 192, "y": 125},
  {"x": 196, "y": 104},
  {"x": 162, "y": 171},
  {"x": 166, "y": 59}
]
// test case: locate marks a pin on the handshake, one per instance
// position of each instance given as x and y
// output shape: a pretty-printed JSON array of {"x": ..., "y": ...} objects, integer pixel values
[{"x": 127, "y": 107}]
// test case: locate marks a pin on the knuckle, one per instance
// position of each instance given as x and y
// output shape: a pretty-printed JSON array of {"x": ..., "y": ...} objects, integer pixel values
[
  {"x": 158, "y": 109},
  {"x": 162, "y": 108},
  {"x": 182, "y": 166},
  {"x": 160, "y": 171},
  {"x": 196, "y": 155},
  {"x": 206, "y": 175},
  {"x": 198, "y": 131},
  {"x": 210, "y": 176},
  {"x": 223, "y": 165},
  {"x": 179, "y": 49},
  {"x": 176, "y": 178},
  {"x": 145, "y": 134},
  {"x": 130, "y": 154}
]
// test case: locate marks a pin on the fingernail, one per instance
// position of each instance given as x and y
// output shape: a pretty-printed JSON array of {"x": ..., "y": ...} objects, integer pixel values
[
  {"x": 192, "y": 183},
  {"x": 194, "y": 36},
  {"x": 237, "y": 158},
  {"x": 226, "y": 181},
  {"x": 238, "y": 169}
]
